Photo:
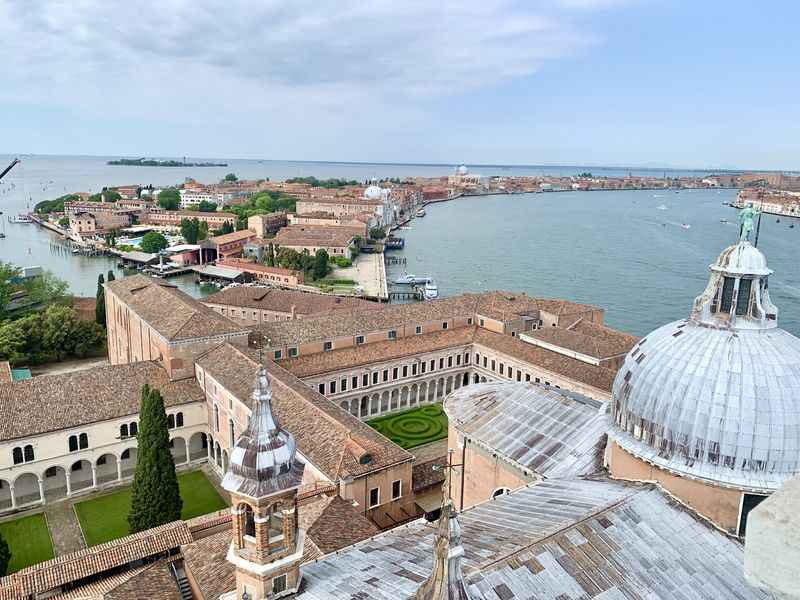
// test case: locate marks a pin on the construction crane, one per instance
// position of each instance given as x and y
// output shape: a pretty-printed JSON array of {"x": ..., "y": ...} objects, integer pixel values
[{"x": 9, "y": 167}]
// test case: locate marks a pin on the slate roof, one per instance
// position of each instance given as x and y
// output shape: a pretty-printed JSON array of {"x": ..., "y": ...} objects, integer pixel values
[
  {"x": 540, "y": 428},
  {"x": 558, "y": 540},
  {"x": 304, "y": 303},
  {"x": 172, "y": 313},
  {"x": 52, "y": 402},
  {"x": 324, "y": 432}
]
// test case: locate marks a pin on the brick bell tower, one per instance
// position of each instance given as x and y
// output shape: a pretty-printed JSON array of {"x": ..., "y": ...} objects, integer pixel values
[{"x": 262, "y": 478}]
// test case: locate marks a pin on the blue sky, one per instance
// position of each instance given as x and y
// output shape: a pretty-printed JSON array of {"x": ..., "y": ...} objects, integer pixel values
[{"x": 639, "y": 82}]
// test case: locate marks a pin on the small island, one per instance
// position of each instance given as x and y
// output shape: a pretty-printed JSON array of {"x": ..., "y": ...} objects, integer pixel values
[{"x": 149, "y": 162}]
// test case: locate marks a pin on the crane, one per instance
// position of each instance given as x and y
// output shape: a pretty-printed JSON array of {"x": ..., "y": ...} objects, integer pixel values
[{"x": 9, "y": 167}]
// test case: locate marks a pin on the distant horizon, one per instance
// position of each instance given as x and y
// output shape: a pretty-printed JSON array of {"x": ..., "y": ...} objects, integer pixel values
[{"x": 639, "y": 167}]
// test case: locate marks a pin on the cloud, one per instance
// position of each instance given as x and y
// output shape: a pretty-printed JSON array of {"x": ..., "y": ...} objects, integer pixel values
[{"x": 190, "y": 60}]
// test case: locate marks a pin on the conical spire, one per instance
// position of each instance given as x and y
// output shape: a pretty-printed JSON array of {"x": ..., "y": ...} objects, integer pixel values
[
  {"x": 446, "y": 581},
  {"x": 264, "y": 460}
]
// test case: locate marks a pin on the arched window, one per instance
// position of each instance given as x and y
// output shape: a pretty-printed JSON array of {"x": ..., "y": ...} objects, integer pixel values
[
  {"x": 134, "y": 429},
  {"x": 28, "y": 453},
  {"x": 231, "y": 432},
  {"x": 249, "y": 521},
  {"x": 216, "y": 418},
  {"x": 73, "y": 443},
  {"x": 126, "y": 454},
  {"x": 123, "y": 430},
  {"x": 179, "y": 419},
  {"x": 170, "y": 421},
  {"x": 83, "y": 441},
  {"x": 500, "y": 492},
  {"x": 17, "y": 452}
]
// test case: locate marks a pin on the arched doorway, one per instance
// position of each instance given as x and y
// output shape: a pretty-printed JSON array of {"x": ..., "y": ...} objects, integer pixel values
[
  {"x": 177, "y": 447},
  {"x": 198, "y": 446},
  {"x": 106, "y": 469},
  {"x": 218, "y": 455},
  {"x": 54, "y": 483},
  {"x": 224, "y": 460},
  {"x": 364, "y": 406}
]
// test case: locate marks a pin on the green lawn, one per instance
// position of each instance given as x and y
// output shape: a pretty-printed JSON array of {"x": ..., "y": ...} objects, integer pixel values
[
  {"x": 28, "y": 540},
  {"x": 412, "y": 428},
  {"x": 106, "y": 518}
]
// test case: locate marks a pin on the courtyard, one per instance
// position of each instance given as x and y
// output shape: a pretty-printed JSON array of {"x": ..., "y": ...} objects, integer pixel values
[
  {"x": 28, "y": 538},
  {"x": 412, "y": 428}
]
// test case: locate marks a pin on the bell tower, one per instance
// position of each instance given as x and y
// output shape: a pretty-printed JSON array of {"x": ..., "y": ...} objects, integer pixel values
[{"x": 262, "y": 478}]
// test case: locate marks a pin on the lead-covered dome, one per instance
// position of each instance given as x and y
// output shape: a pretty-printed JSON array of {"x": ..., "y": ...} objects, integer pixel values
[
  {"x": 373, "y": 192},
  {"x": 717, "y": 396},
  {"x": 264, "y": 460}
]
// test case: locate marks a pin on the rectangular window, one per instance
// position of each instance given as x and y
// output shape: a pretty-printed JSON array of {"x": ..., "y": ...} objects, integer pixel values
[
  {"x": 727, "y": 294},
  {"x": 527, "y": 376},
  {"x": 354, "y": 382},
  {"x": 359, "y": 340},
  {"x": 374, "y": 497},
  {"x": 481, "y": 322},
  {"x": 449, "y": 361},
  {"x": 458, "y": 359},
  {"x": 375, "y": 378},
  {"x": 433, "y": 365},
  {"x": 414, "y": 369},
  {"x": 519, "y": 375},
  {"x": 343, "y": 384},
  {"x": 484, "y": 362},
  {"x": 327, "y": 346},
  {"x": 537, "y": 380},
  {"x": 277, "y": 354},
  {"x": 321, "y": 388},
  {"x": 418, "y": 329},
  {"x": 469, "y": 321},
  {"x": 441, "y": 363},
  {"x": 292, "y": 352},
  {"x": 397, "y": 489},
  {"x": 444, "y": 324},
  {"x": 332, "y": 387},
  {"x": 278, "y": 584},
  {"x": 493, "y": 365},
  {"x": 395, "y": 371},
  {"x": 424, "y": 365},
  {"x": 405, "y": 370},
  {"x": 502, "y": 368},
  {"x": 743, "y": 299},
  {"x": 392, "y": 334},
  {"x": 386, "y": 375},
  {"x": 365, "y": 380}
]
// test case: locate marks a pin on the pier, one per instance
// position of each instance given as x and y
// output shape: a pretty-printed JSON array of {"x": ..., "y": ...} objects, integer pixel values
[
  {"x": 415, "y": 294},
  {"x": 395, "y": 260}
]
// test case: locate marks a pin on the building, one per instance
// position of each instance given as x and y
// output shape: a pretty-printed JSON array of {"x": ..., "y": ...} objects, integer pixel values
[
  {"x": 336, "y": 241},
  {"x": 172, "y": 218},
  {"x": 362, "y": 222},
  {"x": 276, "y": 276},
  {"x": 267, "y": 225},
  {"x": 92, "y": 218},
  {"x": 706, "y": 406},
  {"x": 229, "y": 245},
  {"x": 346, "y": 207}
]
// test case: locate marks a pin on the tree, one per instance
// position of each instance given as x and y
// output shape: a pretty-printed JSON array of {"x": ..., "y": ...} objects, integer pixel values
[
  {"x": 190, "y": 230},
  {"x": 320, "y": 264},
  {"x": 155, "y": 496},
  {"x": 202, "y": 232},
  {"x": 8, "y": 275},
  {"x": 153, "y": 241},
  {"x": 63, "y": 222},
  {"x": 5, "y": 556},
  {"x": 100, "y": 302},
  {"x": 110, "y": 276},
  {"x": 206, "y": 206},
  {"x": 227, "y": 227},
  {"x": 377, "y": 233},
  {"x": 230, "y": 177},
  {"x": 169, "y": 199},
  {"x": 271, "y": 255},
  {"x": 47, "y": 289}
]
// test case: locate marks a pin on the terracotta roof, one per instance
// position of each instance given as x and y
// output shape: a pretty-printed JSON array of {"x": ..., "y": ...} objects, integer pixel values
[
  {"x": 303, "y": 303},
  {"x": 316, "y": 235},
  {"x": 154, "y": 583},
  {"x": 172, "y": 313},
  {"x": 376, "y": 352},
  {"x": 427, "y": 474},
  {"x": 97, "y": 559},
  {"x": 206, "y": 563},
  {"x": 505, "y": 306},
  {"x": 194, "y": 213},
  {"x": 244, "y": 264},
  {"x": 344, "y": 200},
  {"x": 5, "y": 372},
  {"x": 333, "y": 523},
  {"x": 234, "y": 236},
  {"x": 319, "y": 426},
  {"x": 587, "y": 338},
  {"x": 53, "y": 402},
  {"x": 601, "y": 378}
]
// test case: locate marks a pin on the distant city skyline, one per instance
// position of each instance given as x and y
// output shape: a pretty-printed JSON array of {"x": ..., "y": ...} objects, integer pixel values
[{"x": 621, "y": 83}]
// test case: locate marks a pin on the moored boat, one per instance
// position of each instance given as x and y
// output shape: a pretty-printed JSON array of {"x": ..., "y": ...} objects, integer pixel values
[
  {"x": 430, "y": 291},
  {"x": 421, "y": 212},
  {"x": 409, "y": 279}
]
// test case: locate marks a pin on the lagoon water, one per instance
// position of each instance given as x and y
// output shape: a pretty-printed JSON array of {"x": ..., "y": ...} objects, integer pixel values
[{"x": 614, "y": 249}]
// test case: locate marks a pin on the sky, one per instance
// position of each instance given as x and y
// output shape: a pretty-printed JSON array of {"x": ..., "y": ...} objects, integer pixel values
[{"x": 704, "y": 84}]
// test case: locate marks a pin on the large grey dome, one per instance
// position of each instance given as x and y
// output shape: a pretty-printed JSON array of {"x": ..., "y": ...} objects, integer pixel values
[{"x": 717, "y": 396}]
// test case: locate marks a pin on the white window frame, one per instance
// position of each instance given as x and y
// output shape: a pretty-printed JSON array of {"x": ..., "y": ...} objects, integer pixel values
[{"x": 400, "y": 495}]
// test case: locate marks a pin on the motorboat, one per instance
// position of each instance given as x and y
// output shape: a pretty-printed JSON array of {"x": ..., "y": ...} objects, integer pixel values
[
  {"x": 421, "y": 212},
  {"x": 430, "y": 291},
  {"x": 661, "y": 207},
  {"x": 409, "y": 279},
  {"x": 22, "y": 218},
  {"x": 685, "y": 226}
]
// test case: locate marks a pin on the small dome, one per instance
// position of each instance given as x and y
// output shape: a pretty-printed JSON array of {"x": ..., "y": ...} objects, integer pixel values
[
  {"x": 716, "y": 396},
  {"x": 264, "y": 459},
  {"x": 462, "y": 170},
  {"x": 373, "y": 192}
]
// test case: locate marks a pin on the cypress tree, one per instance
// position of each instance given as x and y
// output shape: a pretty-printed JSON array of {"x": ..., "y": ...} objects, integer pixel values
[
  {"x": 5, "y": 556},
  {"x": 155, "y": 497},
  {"x": 100, "y": 303},
  {"x": 111, "y": 276}
]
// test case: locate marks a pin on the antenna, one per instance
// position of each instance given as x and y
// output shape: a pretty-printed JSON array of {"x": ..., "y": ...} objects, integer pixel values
[{"x": 760, "y": 211}]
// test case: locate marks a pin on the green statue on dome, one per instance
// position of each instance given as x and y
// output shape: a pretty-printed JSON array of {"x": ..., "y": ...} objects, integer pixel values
[{"x": 746, "y": 218}]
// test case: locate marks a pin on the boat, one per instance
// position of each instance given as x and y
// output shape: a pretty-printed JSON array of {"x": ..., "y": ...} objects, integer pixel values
[
  {"x": 430, "y": 291},
  {"x": 661, "y": 207},
  {"x": 724, "y": 221},
  {"x": 409, "y": 279},
  {"x": 685, "y": 226},
  {"x": 421, "y": 212},
  {"x": 791, "y": 226},
  {"x": 22, "y": 218}
]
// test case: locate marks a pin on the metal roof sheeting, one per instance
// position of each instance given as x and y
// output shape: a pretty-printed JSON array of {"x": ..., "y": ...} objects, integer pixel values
[{"x": 538, "y": 427}]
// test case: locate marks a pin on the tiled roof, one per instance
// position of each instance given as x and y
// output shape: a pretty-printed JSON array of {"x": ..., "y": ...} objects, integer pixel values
[
  {"x": 172, "y": 313},
  {"x": 333, "y": 523},
  {"x": 54, "y": 402},
  {"x": 5, "y": 372},
  {"x": 601, "y": 378},
  {"x": 154, "y": 583},
  {"x": 548, "y": 431},
  {"x": 587, "y": 338},
  {"x": 303, "y": 303},
  {"x": 376, "y": 352},
  {"x": 558, "y": 540},
  {"x": 98, "y": 559},
  {"x": 206, "y": 562},
  {"x": 316, "y": 235},
  {"x": 233, "y": 236},
  {"x": 322, "y": 429}
]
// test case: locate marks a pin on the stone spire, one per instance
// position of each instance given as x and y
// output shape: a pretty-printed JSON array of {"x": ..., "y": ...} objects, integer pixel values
[
  {"x": 446, "y": 581},
  {"x": 264, "y": 460}
]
